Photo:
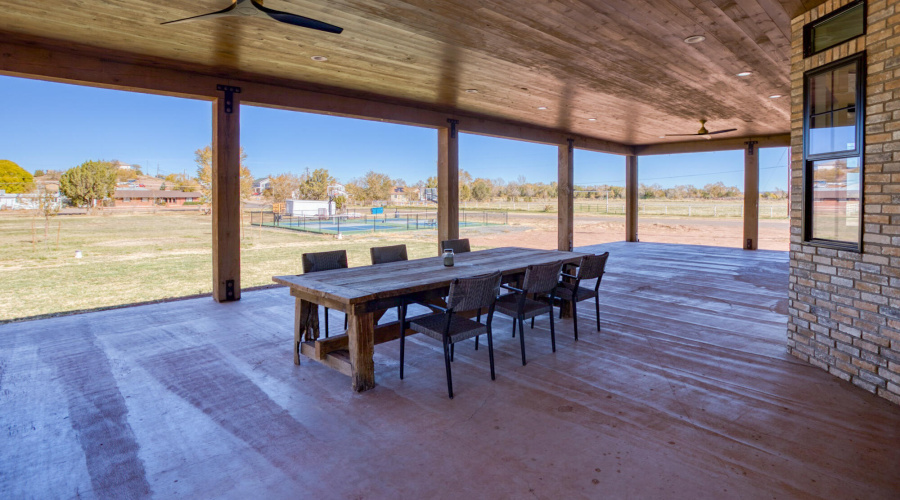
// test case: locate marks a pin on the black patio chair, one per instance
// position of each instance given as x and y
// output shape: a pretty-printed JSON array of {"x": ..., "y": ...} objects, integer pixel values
[
  {"x": 570, "y": 289},
  {"x": 325, "y": 261},
  {"x": 448, "y": 326},
  {"x": 539, "y": 283},
  {"x": 458, "y": 246},
  {"x": 383, "y": 255}
]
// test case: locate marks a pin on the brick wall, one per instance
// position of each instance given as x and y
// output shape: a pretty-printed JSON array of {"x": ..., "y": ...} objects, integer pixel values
[{"x": 845, "y": 306}]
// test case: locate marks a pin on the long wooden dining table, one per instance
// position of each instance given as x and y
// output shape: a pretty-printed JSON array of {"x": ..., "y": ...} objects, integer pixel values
[{"x": 366, "y": 293}]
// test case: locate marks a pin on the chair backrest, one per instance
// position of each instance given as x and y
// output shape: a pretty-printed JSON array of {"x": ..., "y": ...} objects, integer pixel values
[
  {"x": 458, "y": 246},
  {"x": 541, "y": 278},
  {"x": 324, "y": 261},
  {"x": 592, "y": 266},
  {"x": 393, "y": 253},
  {"x": 467, "y": 294}
]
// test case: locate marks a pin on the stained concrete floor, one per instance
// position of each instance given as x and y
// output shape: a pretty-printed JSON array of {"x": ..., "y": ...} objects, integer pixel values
[{"x": 686, "y": 393}]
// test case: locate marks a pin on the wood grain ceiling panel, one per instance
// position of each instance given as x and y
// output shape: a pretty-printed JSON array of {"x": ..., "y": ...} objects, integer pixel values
[{"x": 622, "y": 62}]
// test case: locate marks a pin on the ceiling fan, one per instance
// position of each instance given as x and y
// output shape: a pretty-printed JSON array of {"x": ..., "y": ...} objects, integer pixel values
[
  {"x": 703, "y": 131},
  {"x": 255, "y": 8}
]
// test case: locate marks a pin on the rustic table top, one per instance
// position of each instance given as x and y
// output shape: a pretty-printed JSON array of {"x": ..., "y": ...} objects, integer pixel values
[{"x": 362, "y": 284}]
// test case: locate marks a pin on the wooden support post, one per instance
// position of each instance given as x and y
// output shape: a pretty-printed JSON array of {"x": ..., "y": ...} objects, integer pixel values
[
  {"x": 448, "y": 183},
  {"x": 751, "y": 196},
  {"x": 565, "y": 196},
  {"x": 362, "y": 349},
  {"x": 226, "y": 196},
  {"x": 631, "y": 198}
]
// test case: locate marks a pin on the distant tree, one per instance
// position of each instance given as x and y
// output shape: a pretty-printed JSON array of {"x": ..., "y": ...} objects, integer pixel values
[
  {"x": 162, "y": 187},
  {"x": 53, "y": 175},
  {"x": 377, "y": 186},
  {"x": 282, "y": 187},
  {"x": 465, "y": 193},
  {"x": 38, "y": 173},
  {"x": 431, "y": 182},
  {"x": 203, "y": 159},
  {"x": 15, "y": 179},
  {"x": 340, "y": 201},
  {"x": 89, "y": 182},
  {"x": 315, "y": 186},
  {"x": 481, "y": 189}
]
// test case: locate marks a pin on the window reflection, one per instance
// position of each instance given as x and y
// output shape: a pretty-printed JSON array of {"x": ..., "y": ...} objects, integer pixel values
[{"x": 836, "y": 199}]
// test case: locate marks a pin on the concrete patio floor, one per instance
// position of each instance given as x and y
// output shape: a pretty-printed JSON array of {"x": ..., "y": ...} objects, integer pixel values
[{"x": 687, "y": 392}]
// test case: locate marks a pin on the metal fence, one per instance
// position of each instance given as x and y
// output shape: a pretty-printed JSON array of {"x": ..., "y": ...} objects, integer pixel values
[
  {"x": 361, "y": 222},
  {"x": 695, "y": 208}
]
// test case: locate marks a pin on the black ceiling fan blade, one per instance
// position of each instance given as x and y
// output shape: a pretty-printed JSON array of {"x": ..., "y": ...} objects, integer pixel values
[
  {"x": 294, "y": 19},
  {"x": 721, "y": 131},
  {"x": 221, "y": 13}
]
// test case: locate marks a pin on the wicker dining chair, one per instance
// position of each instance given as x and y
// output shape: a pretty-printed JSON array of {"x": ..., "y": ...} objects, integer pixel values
[
  {"x": 570, "y": 289},
  {"x": 458, "y": 246},
  {"x": 325, "y": 261},
  {"x": 393, "y": 253},
  {"x": 448, "y": 326},
  {"x": 540, "y": 282}
]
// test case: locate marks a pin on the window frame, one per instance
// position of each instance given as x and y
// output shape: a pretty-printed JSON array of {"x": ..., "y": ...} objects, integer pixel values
[
  {"x": 808, "y": 28},
  {"x": 809, "y": 159}
]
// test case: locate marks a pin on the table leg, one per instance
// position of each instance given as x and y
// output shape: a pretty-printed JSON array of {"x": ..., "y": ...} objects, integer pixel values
[
  {"x": 362, "y": 349},
  {"x": 306, "y": 324}
]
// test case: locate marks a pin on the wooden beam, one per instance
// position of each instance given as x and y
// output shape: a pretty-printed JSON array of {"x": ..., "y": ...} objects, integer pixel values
[
  {"x": 565, "y": 196},
  {"x": 226, "y": 196},
  {"x": 701, "y": 146},
  {"x": 631, "y": 198},
  {"x": 751, "y": 196},
  {"x": 84, "y": 65},
  {"x": 448, "y": 182}
]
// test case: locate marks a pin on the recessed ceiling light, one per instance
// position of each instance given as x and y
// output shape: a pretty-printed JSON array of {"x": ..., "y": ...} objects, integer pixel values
[
  {"x": 319, "y": 58},
  {"x": 471, "y": 91},
  {"x": 542, "y": 108},
  {"x": 592, "y": 119},
  {"x": 775, "y": 96},
  {"x": 694, "y": 39},
  {"x": 744, "y": 73}
]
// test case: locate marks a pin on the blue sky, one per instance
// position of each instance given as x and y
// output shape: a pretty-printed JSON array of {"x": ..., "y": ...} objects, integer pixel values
[{"x": 56, "y": 126}]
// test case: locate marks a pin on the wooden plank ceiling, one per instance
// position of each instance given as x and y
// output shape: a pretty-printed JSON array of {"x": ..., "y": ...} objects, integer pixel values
[{"x": 621, "y": 62}]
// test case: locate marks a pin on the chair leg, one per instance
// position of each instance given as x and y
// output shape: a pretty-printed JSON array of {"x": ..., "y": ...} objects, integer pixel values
[
  {"x": 521, "y": 336},
  {"x": 345, "y": 321},
  {"x": 452, "y": 351},
  {"x": 490, "y": 337},
  {"x": 326, "y": 322},
  {"x": 402, "y": 338},
  {"x": 552, "y": 332},
  {"x": 597, "y": 303},
  {"x": 476, "y": 342},
  {"x": 514, "y": 327},
  {"x": 447, "y": 364},
  {"x": 574, "y": 318},
  {"x": 532, "y": 322}
]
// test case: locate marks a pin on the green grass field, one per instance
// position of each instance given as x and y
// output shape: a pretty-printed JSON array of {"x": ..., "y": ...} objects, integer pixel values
[{"x": 137, "y": 258}]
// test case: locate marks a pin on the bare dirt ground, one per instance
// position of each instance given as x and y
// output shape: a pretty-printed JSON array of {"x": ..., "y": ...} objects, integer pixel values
[{"x": 539, "y": 231}]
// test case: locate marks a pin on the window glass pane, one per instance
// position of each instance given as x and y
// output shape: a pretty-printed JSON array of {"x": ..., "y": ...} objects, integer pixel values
[
  {"x": 820, "y": 93},
  {"x": 835, "y": 210},
  {"x": 820, "y": 134},
  {"x": 844, "y": 123},
  {"x": 844, "y": 86},
  {"x": 838, "y": 29}
]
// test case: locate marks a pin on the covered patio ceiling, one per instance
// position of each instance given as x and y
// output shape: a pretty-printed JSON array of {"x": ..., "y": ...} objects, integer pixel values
[{"x": 623, "y": 63}]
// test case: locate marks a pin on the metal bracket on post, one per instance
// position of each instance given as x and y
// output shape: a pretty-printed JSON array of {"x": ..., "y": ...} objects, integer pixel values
[
  {"x": 453, "y": 123},
  {"x": 750, "y": 146},
  {"x": 229, "y": 96}
]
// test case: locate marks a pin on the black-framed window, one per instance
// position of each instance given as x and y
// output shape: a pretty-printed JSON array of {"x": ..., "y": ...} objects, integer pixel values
[
  {"x": 842, "y": 25},
  {"x": 833, "y": 128}
]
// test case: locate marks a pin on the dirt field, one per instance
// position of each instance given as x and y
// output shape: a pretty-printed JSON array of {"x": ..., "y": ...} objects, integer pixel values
[
  {"x": 539, "y": 231},
  {"x": 132, "y": 258}
]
